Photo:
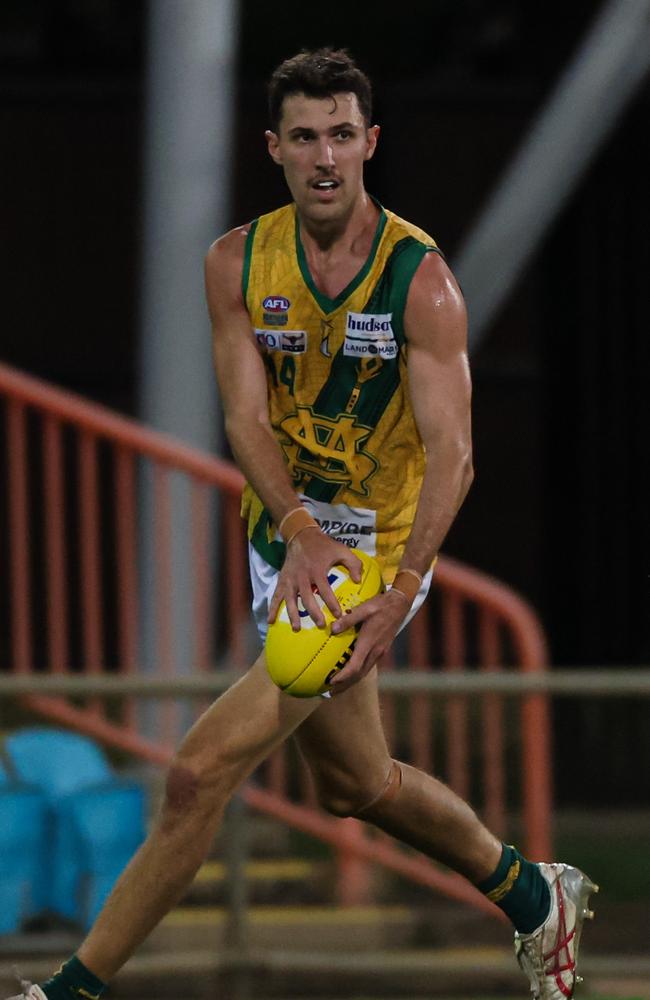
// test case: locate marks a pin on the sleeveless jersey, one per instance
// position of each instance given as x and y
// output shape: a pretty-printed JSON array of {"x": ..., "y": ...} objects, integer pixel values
[{"x": 338, "y": 386}]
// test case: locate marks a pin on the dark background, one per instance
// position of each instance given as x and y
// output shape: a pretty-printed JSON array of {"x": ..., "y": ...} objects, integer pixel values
[{"x": 562, "y": 411}]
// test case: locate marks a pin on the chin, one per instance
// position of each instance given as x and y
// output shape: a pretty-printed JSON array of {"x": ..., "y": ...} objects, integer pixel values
[{"x": 323, "y": 212}]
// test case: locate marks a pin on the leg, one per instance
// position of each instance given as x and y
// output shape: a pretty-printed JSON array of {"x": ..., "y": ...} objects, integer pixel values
[
  {"x": 344, "y": 745},
  {"x": 223, "y": 747}
]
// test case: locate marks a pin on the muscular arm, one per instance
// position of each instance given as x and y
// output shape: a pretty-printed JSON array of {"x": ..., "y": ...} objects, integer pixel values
[
  {"x": 436, "y": 331},
  {"x": 241, "y": 378},
  {"x": 242, "y": 383}
]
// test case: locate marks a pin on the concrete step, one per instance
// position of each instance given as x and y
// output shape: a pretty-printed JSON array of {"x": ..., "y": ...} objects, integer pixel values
[
  {"x": 281, "y": 880},
  {"x": 468, "y": 972},
  {"x": 373, "y": 975},
  {"x": 313, "y": 928}
]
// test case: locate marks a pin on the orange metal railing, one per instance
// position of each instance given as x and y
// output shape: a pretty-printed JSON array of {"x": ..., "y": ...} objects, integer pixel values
[{"x": 74, "y": 545}]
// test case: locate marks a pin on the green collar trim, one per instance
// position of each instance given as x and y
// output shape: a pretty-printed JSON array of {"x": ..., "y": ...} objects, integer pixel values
[{"x": 326, "y": 304}]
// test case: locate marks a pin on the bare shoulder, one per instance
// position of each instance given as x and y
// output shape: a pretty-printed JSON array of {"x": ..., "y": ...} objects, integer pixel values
[
  {"x": 434, "y": 280},
  {"x": 224, "y": 262},
  {"x": 435, "y": 309}
]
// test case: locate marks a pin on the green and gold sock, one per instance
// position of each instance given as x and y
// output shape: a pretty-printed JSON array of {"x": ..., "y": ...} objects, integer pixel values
[
  {"x": 73, "y": 981},
  {"x": 519, "y": 889}
]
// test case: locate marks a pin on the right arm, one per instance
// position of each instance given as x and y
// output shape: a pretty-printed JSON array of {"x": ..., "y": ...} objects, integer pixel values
[{"x": 242, "y": 384}]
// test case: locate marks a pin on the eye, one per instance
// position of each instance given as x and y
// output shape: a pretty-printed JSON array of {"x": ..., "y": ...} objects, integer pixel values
[{"x": 344, "y": 133}]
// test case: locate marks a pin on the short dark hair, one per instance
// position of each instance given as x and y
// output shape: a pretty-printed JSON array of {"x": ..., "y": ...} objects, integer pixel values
[{"x": 319, "y": 73}]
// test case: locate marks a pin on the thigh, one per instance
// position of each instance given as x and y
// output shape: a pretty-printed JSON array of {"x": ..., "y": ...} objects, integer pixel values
[
  {"x": 243, "y": 725},
  {"x": 343, "y": 739}
]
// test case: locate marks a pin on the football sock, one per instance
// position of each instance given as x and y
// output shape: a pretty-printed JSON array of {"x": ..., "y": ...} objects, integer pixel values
[
  {"x": 73, "y": 981},
  {"x": 520, "y": 890}
]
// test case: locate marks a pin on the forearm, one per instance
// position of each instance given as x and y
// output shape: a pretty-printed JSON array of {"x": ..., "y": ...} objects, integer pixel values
[
  {"x": 447, "y": 478},
  {"x": 259, "y": 457}
]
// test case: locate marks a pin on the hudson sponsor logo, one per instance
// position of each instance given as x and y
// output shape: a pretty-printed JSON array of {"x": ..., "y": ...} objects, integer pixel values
[
  {"x": 369, "y": 335},
  {"x": 286, "y": 341},
  {"x": 276, "y": 304}
]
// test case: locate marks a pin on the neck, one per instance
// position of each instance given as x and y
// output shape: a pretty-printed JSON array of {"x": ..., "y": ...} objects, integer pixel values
[{"x": 325, "y": 235}]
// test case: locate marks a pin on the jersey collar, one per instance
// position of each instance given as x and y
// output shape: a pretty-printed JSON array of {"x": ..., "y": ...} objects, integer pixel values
[{"x": 326, "y": 304}]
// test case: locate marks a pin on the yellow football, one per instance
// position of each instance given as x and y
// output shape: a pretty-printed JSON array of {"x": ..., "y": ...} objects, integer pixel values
[{"x": 303, "y": 663}]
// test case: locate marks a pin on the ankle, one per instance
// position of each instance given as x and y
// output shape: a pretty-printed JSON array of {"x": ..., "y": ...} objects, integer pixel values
[
  {"x": 73, "y": 981},
  {"x": 518, "y": 887}
]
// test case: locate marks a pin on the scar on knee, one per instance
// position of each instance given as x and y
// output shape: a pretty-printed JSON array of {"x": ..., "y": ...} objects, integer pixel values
[{"x": 181, "y": 787}]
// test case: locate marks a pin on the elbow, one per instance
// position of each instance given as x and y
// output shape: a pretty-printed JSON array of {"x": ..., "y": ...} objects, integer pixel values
[{"x": 241, "y": 426}]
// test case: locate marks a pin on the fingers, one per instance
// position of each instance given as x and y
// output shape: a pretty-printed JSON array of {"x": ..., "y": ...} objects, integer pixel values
[
  {"x": 362, "y": 660},
  {"x": 311, "y": 604},
  {"x": 274, "y": 605},
  {"x": 378, "y": 621},
  {"x": 353, "y": 617},
  {"x": 293, "y": 611},
  {"x": 304, "y": 592},
  {"x": 329, "y": 597},
  {"x": 352, "y": 563}
]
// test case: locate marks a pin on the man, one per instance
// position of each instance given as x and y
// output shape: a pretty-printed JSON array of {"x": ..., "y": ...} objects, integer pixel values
[{"x": 340, "y": 349}]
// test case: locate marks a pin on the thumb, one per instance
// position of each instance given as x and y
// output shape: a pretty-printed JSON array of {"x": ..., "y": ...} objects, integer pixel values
[{"x": 274, "y": 606}]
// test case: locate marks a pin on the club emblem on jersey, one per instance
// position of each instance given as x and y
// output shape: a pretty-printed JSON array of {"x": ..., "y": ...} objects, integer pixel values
[
  {"x": 329, "y": 449},
  {"x": 275, "y": 309},
  {"x": 326, "y": 327}
]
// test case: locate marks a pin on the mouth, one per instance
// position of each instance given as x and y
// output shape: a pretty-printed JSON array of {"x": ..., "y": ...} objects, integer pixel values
[{"x": 325, "y": 186}]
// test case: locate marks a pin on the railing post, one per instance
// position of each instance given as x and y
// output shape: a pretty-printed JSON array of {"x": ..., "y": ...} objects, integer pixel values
[
  {"x": 537, "y": 775},
  {"x": 237, "y": 937},
  {"x": 353, "y": 875}
]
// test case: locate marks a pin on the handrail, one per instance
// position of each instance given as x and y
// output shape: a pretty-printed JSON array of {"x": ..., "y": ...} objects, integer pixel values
[
  {"x": 501, "y": 600},
  {"x": 99, "y": 420},
  {"x": 588, "y": 682}
]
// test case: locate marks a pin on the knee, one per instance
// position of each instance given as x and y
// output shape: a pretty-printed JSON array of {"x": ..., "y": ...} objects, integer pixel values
[
  {"x": 192, "y": 794},
  {"x": 335, "y": 801},
  {"x": 349, "y": 795},
  {"x": 181, "y": 788}
]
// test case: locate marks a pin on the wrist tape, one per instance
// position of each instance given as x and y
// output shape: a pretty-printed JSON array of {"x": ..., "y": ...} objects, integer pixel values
[
  {"x": 407, "y": 583},
  {"x": 294, "y": 522}
]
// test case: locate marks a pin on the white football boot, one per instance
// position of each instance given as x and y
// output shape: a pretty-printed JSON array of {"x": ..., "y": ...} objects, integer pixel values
[
  {"x": 30, "y": 991},
  {"x": 549, "y": 955}
]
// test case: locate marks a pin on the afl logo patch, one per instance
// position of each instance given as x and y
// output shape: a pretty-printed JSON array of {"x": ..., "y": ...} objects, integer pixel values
[{"x": 276, "y": 304}]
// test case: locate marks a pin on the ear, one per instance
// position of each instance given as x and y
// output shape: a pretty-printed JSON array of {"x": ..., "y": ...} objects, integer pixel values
[
  {"x": 273, "y": 145},
  {"x": 372, "y": 135}
]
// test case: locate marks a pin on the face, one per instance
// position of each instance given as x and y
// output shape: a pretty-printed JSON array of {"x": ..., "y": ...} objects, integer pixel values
[{"x": 322, "y": 145}]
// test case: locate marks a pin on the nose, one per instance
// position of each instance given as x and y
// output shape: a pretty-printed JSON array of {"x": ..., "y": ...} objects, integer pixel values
[{"x": 325, "y": 154}]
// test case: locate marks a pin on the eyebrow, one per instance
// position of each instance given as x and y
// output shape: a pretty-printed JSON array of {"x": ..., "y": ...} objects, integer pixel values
[{"x": 298, "y": 129}]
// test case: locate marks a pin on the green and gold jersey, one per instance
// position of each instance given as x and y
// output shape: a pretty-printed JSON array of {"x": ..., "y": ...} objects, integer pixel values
[{"x": 338, "y": 386}]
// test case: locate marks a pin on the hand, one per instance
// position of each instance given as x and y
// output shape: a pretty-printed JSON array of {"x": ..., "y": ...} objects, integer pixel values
[
  {"x": 310, "y": 555},
  {"x": 380, "y": 619}
]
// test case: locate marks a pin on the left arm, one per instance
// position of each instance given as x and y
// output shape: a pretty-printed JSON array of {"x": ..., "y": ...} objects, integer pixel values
[
  {"x": 435, "y": 322},
  {"x": 436, "y": 329}
]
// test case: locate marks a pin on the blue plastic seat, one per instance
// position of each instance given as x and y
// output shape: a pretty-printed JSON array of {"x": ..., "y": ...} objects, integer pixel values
[
  {"x": 56, "y": 761},
  {"x": 109, "y": 830},
  {"x": 23, "y": 825},
  {"x": 68, "y": 767}
]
